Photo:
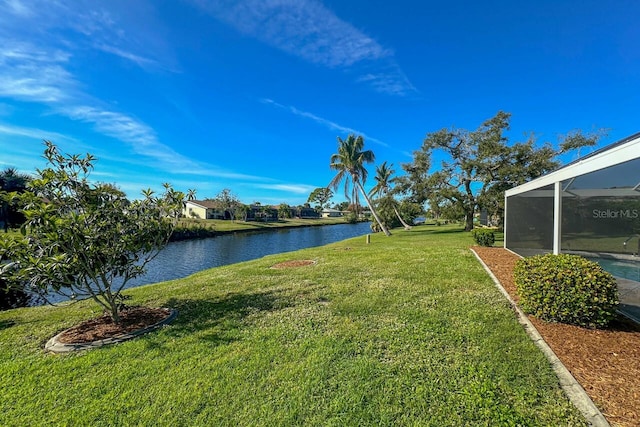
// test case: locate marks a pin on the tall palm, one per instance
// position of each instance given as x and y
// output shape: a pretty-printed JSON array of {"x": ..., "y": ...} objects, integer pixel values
[
  {"x": 349, "y": 162},
  {"x": 383, "y": 188},
  {"x": 191, "y": 194}
]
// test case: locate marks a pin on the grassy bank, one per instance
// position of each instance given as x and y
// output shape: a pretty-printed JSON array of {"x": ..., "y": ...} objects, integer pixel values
[
  {"x": 194, "y": 228},
  {"x": 407, "y": 330}
]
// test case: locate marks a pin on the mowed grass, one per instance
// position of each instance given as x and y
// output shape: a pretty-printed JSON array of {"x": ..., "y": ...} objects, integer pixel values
[{"x": 405, "y": 331}]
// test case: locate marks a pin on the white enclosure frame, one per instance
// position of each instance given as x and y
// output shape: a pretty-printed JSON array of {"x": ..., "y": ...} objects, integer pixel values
[{"x": 616, "y": 153}]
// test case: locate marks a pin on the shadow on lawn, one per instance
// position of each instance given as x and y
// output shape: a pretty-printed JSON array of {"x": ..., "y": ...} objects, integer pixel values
[
  {"x": 223, "y": 317},
  {"x": 437, "y": 230},
  {"x": 5, "y": 324}
]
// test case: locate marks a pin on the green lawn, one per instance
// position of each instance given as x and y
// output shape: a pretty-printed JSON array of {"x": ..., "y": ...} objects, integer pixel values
[{"x": 408, "y": 330}]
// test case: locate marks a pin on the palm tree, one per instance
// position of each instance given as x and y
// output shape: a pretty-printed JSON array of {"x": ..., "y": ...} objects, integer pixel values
[
  {"x": 12, "y": 180},
  {"x": 349, "y": 162},
  {"x": 383, "y": 188},
  {"x": 191, "y": 194}
]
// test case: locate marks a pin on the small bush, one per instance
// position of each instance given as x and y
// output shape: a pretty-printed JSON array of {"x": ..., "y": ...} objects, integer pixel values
[
  {"x": 197, "y": 231},
  {"x": 351, "y": 218},
  {"x": 483, "y": 236},
  {"x": 566, "y": 288}
]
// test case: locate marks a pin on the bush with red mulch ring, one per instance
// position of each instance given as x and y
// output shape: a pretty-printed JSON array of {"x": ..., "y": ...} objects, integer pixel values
[{"x": 606, "y": 362}]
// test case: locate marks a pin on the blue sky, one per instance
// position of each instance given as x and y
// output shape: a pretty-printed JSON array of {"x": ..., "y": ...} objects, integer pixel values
[{"x": 250, "y": 95}]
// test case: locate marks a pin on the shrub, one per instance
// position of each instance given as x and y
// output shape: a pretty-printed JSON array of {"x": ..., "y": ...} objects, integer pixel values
[
  {"x": 483, "y": 236},
  {"x": 351, "y": 218},
  {"x": 83, "y": 239},
  {"x": 566, "y": 288}
]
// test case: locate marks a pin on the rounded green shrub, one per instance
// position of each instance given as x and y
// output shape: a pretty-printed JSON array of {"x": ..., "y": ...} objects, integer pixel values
[
  {"x": 483, "y": 236},
  {"x": 566, "y": 288}
]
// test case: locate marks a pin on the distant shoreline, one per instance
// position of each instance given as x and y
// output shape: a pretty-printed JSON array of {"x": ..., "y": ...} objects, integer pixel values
[{"x": 202, "y": 230}]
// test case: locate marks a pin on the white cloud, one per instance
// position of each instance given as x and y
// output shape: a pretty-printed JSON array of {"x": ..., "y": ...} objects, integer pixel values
[
  {"x": 31, "y": 133},
  {"x": 141, "y": 137},
  {"x": 141, "y": 61},
  {"x": 36, "y": 70},
  {"x": 290, "y": 188},
  {"x": 30, "y": 73},
  {"x": 309, "y": 30},
  {"x": 392, "y": 82},
  {"x": 324, "y": 122}
]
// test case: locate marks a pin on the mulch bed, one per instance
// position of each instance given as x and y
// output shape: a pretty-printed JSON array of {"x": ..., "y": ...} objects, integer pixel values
[
  {"x": 605, "y": 362},
  {"x": 294, "y": 263},
  {"x": 100, "y": 328}
]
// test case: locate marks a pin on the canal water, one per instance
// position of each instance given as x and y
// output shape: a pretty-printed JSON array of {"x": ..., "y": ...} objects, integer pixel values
[{"x": 180, "y": 259}]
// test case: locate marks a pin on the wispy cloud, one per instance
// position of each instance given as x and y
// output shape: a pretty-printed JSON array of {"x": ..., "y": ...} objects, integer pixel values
[
  {"x": 309, "y": 30},
  {"x": 37, "y": 69},
  {"x": 392, "y": 81},
  {"x": 82, "y": 24},
  {"x": 31, "y": 133},
  {"x": 137, "y": 59},
  {"x": 289, "y": 188},
  {"x": 324, "y": 122},
  {"x": 30, "y": 73}
]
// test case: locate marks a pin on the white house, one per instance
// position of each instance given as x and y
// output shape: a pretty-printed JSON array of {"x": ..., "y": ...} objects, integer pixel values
[
  {"x": 203, "y": 209},
  {"x": 330, "y": 213}
]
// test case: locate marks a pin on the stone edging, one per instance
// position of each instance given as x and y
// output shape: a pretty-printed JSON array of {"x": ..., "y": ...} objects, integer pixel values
[
  {"x": 55, "y": 346},
  {"x": 576, "y": 393}
]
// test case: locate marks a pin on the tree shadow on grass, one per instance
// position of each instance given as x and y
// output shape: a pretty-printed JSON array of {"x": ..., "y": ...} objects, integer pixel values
[
  {"x": 6, "y": 324},
  {"x": 224, "y": 317},
  {"x": 437, "y": 230}
]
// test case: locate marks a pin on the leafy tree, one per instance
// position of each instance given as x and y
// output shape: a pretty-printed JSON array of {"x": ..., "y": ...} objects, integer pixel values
[
  {"x": 226, "y": 201},
  {"x": 321, "y": 197},
  {"x": 11, "y": 181},
  {"x": 85, "y": 240},
  {"x": 349, "y": 162},
  {"x": 415, "y": 182},
  {"x": 385, "y": 208},
  {"x": 241, "y": 211},
  {"x": 479, "y": 165},
  {"x": 410, "y": 210},
  {"x": 284, "y": 211},
  {"x": 266, "y": 212},
  {"x": 383, "y": 188},
  {"x": 342, "y": 206}
]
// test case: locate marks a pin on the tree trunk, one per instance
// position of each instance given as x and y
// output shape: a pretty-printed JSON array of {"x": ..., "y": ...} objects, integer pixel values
[
  {"x": 373, "y": 212},
  {"x": 470, "y": 208},
  {"x": 468, "y": 217},
  {"x": 404, "y": 224}
]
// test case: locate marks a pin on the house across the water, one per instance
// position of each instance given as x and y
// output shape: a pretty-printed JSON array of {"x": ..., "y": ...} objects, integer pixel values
[{"x": 203, "y": 209}]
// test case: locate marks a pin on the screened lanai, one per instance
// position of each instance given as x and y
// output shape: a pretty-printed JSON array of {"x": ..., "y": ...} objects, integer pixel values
[{"x": 589, "y": 207}]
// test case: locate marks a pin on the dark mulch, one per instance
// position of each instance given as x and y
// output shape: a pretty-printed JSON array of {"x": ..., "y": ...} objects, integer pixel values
[
  {"x": 605, "y": 362},
  {"x": 100, "y": 328}
]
